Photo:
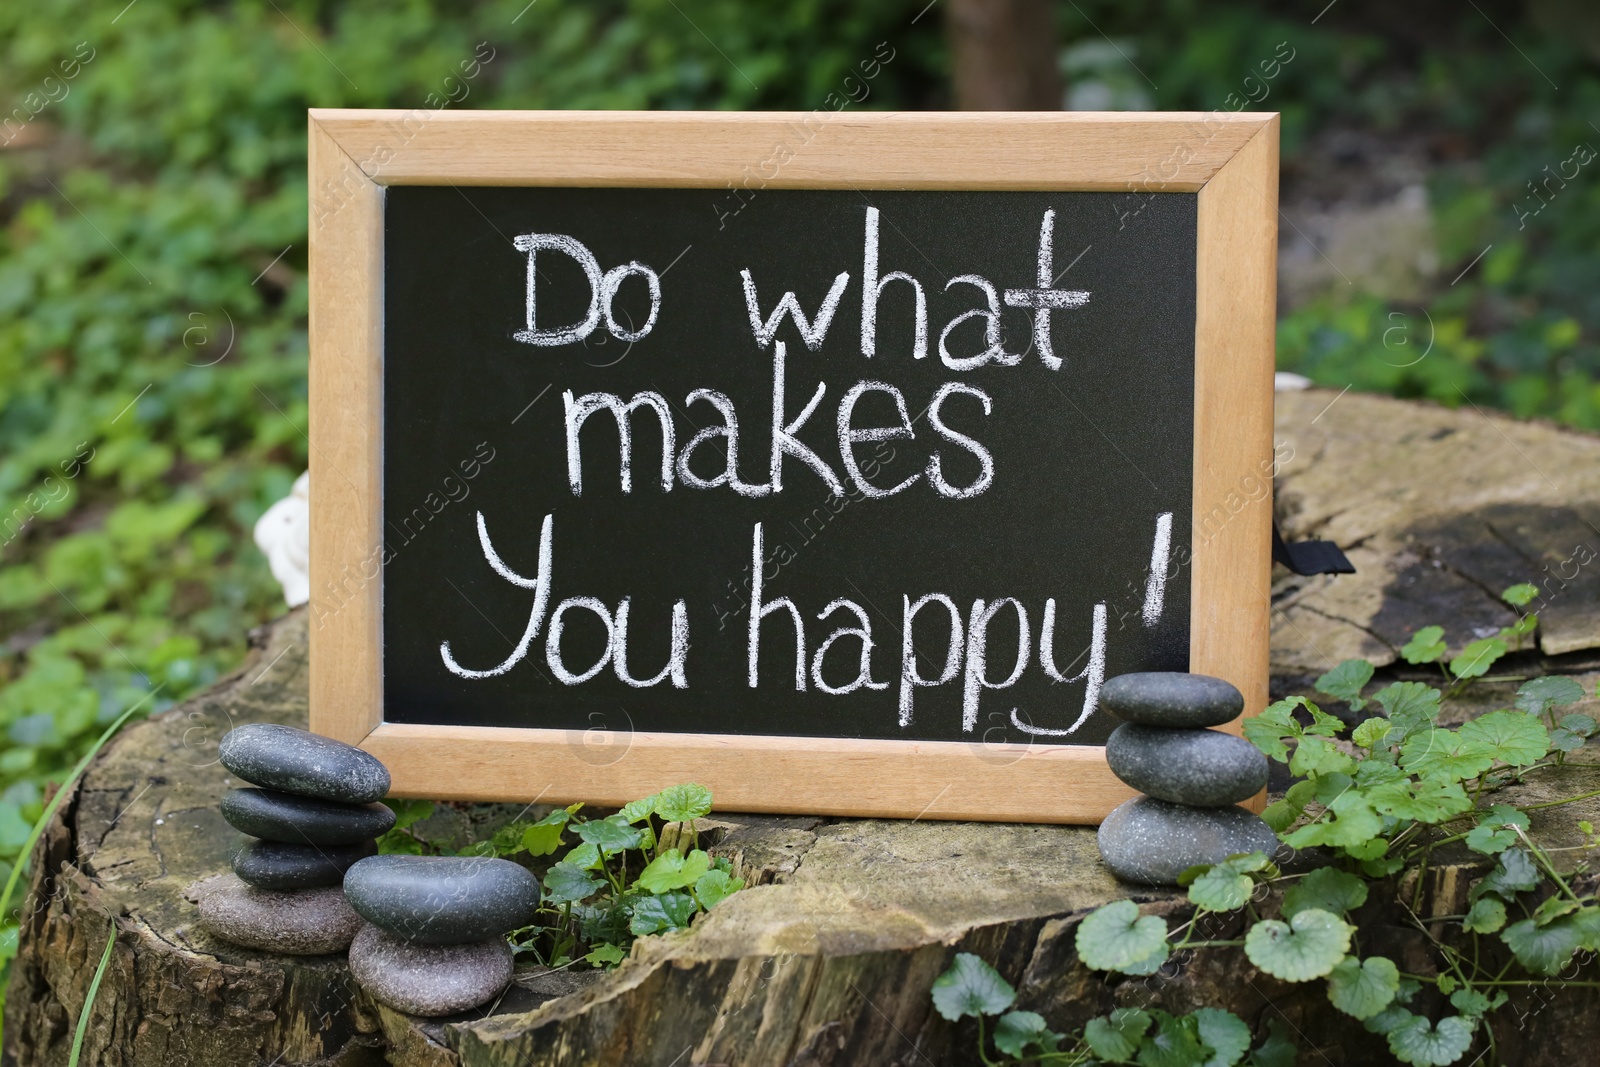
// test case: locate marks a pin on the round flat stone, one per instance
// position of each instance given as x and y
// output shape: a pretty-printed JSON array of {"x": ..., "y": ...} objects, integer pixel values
[
  {"x": 429, "y": 979},
  {"x": 1171, "y": 698},
  {"x": 443, "y": 900},
  {"x": 275, "y": 816},
  {"x": 298, "y": 761},
  {"x": 1151, "y": 842},
  {"x": 1202, "y": 768},
  {"x": 277, "y": 865},
  {"x": 308, "y": 922}
]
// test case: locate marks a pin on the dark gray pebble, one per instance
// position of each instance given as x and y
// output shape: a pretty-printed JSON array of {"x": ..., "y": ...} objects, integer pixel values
[
  {"x": 276, "y": 865},
  {"x": 1151, "y": 842},
  {"x": 1171, "y": 698},
  {"x": 442, "y": 900},
  {"x": 298, "y": 761},
  {"x": 275, "y": 816},
  {"x": 1202, "y": 768}
]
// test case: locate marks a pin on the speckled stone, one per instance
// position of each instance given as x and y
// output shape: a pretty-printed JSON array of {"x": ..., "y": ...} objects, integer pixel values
[
  {"x": 1202, "y": 768},
  {"x": 443, "y": 900},
  {"x": 298, "y": 761},
  {"x": 1172, "y": 699},
  {"x": 276, "y": 865},
  {"x": 308, "y": 922},
  {"x": 275, "y": 816},
  {"x": 429, "y": 979},
  {"x": 1151, "y": 842}
]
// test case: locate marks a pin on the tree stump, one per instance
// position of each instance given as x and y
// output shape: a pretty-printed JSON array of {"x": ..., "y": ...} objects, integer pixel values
[{"x": 828, "y": 958}]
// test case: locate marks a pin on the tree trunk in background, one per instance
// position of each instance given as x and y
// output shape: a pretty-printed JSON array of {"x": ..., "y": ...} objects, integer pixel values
[{"x": 1004, "y": 55}]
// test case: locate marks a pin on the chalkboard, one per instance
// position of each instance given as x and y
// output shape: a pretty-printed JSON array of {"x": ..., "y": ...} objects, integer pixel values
[
  {"x": 837, "y": 475},
  {"x": 1058, "y": 470}
]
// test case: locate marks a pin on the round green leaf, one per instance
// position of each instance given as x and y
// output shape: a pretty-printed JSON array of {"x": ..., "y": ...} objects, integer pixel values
[
  {"x": 1423, "y": 1044},
  {"x": 1444, "y": 754},
  {"x": 1016, "y": 1030},
  {"x": 1328, "y": 889},
  {"x": 1494, "y": 833},
  {"x": 1116, "y": 1039},
  {"x": 1485, "y": 916},
  {"x": 1513, "y": 737},
  {"x": 1220, "y": 889},
  {"x": 1425, "y": 646},
  {"x": 673, "y": 870},
  {"x": 1308, "y": 946},
  {"x": 656, "y": 914},
  {"x": 1363, "y": 988},
  {"x": 1543, "y": 949},
  {"x": 713, "y": 887},
  {"x": 566, "y": 883},
  {"x": 1539, "y": 695},
  {"x": 971, "y": 987},
  {"x": 1345, "y": 681},
  {"x": 1225, "y": 1034},
  {"x": 610, "y": 835},
  {"x": 683, "y": 803},
  {"x": 1430, "y": 800},
  {"x": 1476, "y": 659},
  {"x": 1116, "y": 938}
]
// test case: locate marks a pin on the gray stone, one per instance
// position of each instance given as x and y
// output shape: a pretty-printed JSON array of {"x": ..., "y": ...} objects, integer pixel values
[
  {"x": 1202, "y": 768},
  {"x": 298, "y": 761},
  {"x": 276, "y": 865},
  {"x": 1151, "y": 842},
  {"x": 1171, "y": 698},
  {"x": 275, "y": 816},
  {"x": 308, "y": 922},
  {"x": 443, "y": 900},
  {"x": 429, "y": 979}
]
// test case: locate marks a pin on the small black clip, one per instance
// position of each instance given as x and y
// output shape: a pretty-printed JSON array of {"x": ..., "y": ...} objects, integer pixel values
[{"x": 1310, "y": 557}]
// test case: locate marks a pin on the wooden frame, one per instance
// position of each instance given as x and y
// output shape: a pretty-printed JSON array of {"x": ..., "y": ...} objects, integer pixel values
[{"x": 1229, "y": 159}]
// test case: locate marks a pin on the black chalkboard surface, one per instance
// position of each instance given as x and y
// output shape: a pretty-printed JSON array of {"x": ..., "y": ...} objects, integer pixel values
[{"x": 1009, "y": 474}]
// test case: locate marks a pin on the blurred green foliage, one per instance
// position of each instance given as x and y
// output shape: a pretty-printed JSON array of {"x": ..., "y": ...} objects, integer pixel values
[{"x": 153, "y": 250}]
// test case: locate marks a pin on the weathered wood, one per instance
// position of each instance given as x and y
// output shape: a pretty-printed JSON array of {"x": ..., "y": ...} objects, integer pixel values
[{"x": 828, "y": 959}]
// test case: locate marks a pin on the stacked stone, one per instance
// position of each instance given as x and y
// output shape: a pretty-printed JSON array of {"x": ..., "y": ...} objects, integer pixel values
[
  {"x": 313, "y": 817},
  {"x": 434, "y": 940},
  {"x": 1192, "y": 777}
]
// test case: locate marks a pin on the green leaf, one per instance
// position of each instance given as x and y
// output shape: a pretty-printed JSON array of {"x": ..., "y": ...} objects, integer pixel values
[
  {"x": 1279, "y": 1049},
  {"x": 408, "y": 812},
  {"x": 1493, "y": 835},
  {"x": 1016, "y": 1030},
  {"x": 1175, "y": 1043},
  {"x": 1370, "y": 732},
  {"x": 1520, "y": 595},
  {"x": 1316, "y": 755},
  {"x": 1486, "y": 915},
  {"x": 565, "y": 883},
  {"x": 1325, "y": 889},
  {"x": 1363, "y": 988},
  {"x": 1345, "y": 682},
  {"x": 1444, "y": 754},
  {"x": 1429, "y": 800},
  {"x": 1539, "y": 695},
  {"x": 585, "y": 856},
  {"x": 1511, "y": 737},
  {"x": 605, "y": 955},
  {"x": 1515, "y": 873},
  {"x": 1543, "y": 949},
  {"x": 1116, "y": 937},
  {"x": 1353, "y": 822},
  {"x": 1281, "y": 814},
  {"x": 971, "y": 987},
  {"x": 1519, "y": 629},
  {"x": 1476, "y": 659},
  {"x": 673, "y": 870},
  {"x": 683, "y": 803},
  {"x": 544, "y": 836},
  {"x": 1425, "y": 1044},
  {"x": 1554, "y": 908},
  {"x": 1308, "y": 946},
  {"x": 610, "y": 835},
  {"x": 1224, "y": 1033},
  {"x": 1411, "y": 707},
  {"x": 1226, "y": 886},
  {"x": 635, "y": 810},
  {"x": 713, "y": 887},
  {"x": 1425, "y": 646},
  {"x": 1116, "y": 1039},
  {"x": 666, "y": 911},
  {"x": 1268, "y": 730}
]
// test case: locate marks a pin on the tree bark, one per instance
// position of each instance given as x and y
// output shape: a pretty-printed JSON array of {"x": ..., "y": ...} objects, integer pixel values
[{"x": 1004, "y": 55}]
